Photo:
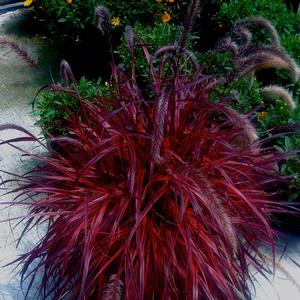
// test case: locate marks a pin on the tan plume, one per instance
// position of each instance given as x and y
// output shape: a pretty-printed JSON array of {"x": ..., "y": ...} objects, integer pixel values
[
  {"x": 274, "y": 92},
  {"x": 266, "y": 25},
  {"x": 276, "y": 62}
]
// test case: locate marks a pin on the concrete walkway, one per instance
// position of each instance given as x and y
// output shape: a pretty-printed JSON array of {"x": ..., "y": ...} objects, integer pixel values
[
  {"x": 18, "y": 85},
  {"x": 10, "y": 5}
]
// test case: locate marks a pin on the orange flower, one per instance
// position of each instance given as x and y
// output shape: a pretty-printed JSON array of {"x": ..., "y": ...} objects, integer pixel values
[
  {"x": 166, "y": 17},
  {"x": 170, "y": 1}
]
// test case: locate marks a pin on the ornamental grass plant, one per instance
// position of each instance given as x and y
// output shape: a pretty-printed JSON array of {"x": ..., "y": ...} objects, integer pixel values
[{"x": 158, "y": 195}]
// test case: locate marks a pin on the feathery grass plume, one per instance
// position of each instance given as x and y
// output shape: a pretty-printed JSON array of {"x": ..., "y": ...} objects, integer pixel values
[
  {"x": 113, "y": 289},
  {"x": 274, "y": 92},
  {"x": 259, "y": 62},
  {"x": 66, "y": 73},
  {"x": 227, "y": 44},
  {"x": 129, "y": 35},
  {"x": 18, "y": 50},
  {"x": 150, "y": 197},
  {"x": 245, "y": 37},
  {"x": 248, "y": 58},
  {"x": 130, "y": 38},
  {"x": 288, "y": 274},
  {"x": 266, "y": 58},
  {"x": 261, "y": 22},
  {"x": 102, "y": 19},
  {"x": 240, "y": 121},
  {"x": 188, "y": 24}
]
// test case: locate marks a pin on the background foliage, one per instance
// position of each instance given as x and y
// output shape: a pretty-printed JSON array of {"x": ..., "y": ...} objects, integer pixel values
[
  {"x": 287, "y": 24},
  {"x": 71, "y": 17},
  {"x": 52, "y": 109}
]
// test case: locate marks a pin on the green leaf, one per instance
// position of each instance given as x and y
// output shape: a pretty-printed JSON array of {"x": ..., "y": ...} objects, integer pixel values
[
  {"x": 288, "y": 143},
  {"x": 293, "y": 197},
  {"x": 62, "y": 20}
]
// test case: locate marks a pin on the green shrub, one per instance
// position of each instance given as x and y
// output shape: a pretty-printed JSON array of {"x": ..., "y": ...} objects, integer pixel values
[
  {"x": 142, "y": 11},
  {"x": 277, "y": 114},
  {"x": 275, "y": 11},
  {"x": 69, "y": 17},
  {"x": 66, "y": 17},
  {"x": 272, "y": 114},
  {"x": 53, "y": 108},
  {"x": 291, "y": 42},
  {"x": 153, "y": 37},
  {"x": 215, "y": 62},
  {"x": 248, "y": 96},
  {"x": 290, "y": 167}
]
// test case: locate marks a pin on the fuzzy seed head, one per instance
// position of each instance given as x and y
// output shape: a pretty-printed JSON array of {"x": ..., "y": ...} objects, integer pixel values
[
  {"x": 102, "y": 19},
  {"x": 274, "y": 92}
]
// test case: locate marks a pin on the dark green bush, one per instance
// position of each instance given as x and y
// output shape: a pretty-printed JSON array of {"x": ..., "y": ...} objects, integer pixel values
[
  {"x": 153, "y": 37},
  {"x": 66, "y": 17},
  {"x": 275, "y": 11},
  {"x": 70, "y": 17},
  {"x": 142, "y": 11},
  {"x": 53, "y": 108}
]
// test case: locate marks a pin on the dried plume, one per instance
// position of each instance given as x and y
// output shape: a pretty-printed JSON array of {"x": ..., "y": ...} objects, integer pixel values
[
  {"x": 240, "y": 121},
  {"x": 102, "y": 19},
  {"x": 268, "y": 58},
  {"x": 248, "y": 58},
  {"x": 66, "y": 74},
  {"x": 263, "y": 23},
  {"x": 188, "y": 23},
  {"x": 274, "y": 92},
  {"x": 19, "y": 51},
  {"x": 130, "y": 35}
]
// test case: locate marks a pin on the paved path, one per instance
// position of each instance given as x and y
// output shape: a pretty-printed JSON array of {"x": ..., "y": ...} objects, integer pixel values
[
  {"x": 18, "y": 85},
  {"x": 2, "y": 2},
  {"x": 10, "y": 5}
]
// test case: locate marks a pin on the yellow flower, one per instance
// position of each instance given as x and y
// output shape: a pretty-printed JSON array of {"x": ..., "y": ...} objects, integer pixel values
[
  {"x": 165, "y": 18},
  {"x": 27, "y": 3},
  {"x": 262, "y": 115},
  {"x": 69, "y": 1},
  {"x": 115, "y": 21},
  {"x": 170, "y": 1}
]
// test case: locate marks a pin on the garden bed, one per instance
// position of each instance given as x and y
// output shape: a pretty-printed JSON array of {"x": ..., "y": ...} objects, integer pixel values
[{"x": 134, "y": 167}]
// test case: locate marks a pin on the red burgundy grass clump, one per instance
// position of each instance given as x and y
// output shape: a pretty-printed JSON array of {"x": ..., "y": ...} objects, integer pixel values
[{"x": 158, "y": 197}]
